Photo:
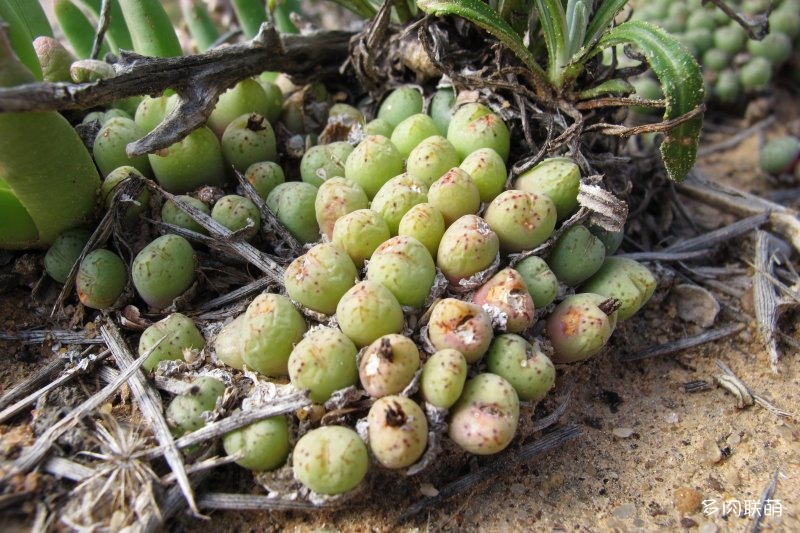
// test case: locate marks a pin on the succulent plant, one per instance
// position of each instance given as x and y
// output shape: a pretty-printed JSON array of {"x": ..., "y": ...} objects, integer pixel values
[
  {"x": 576, "y": 255},
  {"x": 485, "y": 418},
  {"x": 462, "y": 326},
  {"x": 431, "y": 158},
  {"x": 399, "y": 105},
  {"x": 54, "y": 58},
  {"x": 237, "y": 212},
  {"x": 443, "y": 377},
  {"x": 779, "y": 155},
  {"x": 730, "y": 38},
  {"x": 274, "y": 99},
  {"x": 324, "y": 161},
  {"x": 337, "y": 197},
  {"x": 264, "y": 444},
  {"x": 330, "y": 460},
  {"x": 523, "y": 365},
  {"x": 271, "y": 328},
  {"x": 558, "y": 178},
  {"x": 580, "y": 326},
  {"x": 109, "y": 146},
  {"x": 368, "y": 311},
  {"x": 396, "y": 197},
  {"x": 441, "y": 108},
  {"x": 345, "y": 114},
  {"x": 755, "y": 74},
  {"x": 398, "y": 431},
  {"x": 610, "y": 239},
  {"x": 522, "y": 220},
  {"x": 101, "y": 278},
  {"x": 264, "y": 176},
  {"x": 413, "y": 130},
  {"x": 359, "y": 233},
  {"x": 488, "y": 170},
  {"x": 388, "y": 365},
  {"x": 467, "y": 247},
  {"x": 373, "y": 162},
  {"x": 228, "y": 344},
  {"x": 180, "y": 334},
  {"x": 190, "y": 163},
  {"x": 323, "y": 362},
  {"x": 625, "y": 280},
  {"x": 184, "y": 413},
  {"x": 425, "y": 223},
  {"x": 378, "y": 126},
  {"x": 540, "y": 281},
  {"x": 404, "y": 266},
  {"x": 776, "y": 47},
  {"x": 248, "y": 139},
  {"x": 152, "y": 110},
  {"x": 64, "y": 252},
  {"x": 172, "y": 214},
  {"x": 727, "y": 88},
  {"x": 506, "y": 291},
  {"x": 319, "y": 278},
  {"x": 245, "y": 97},
  {"x": 115, "y": 178},
  {"x": 475, "y": 126},
  {"x": 454, "y": 194},
  {"x": 293, "y": 205},
  {"x": 163, "y": 270}
]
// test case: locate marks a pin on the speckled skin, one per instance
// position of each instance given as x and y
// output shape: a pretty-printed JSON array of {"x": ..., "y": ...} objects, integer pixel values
[
  {"x": 323, "y": 162},
  {"x": 184, "y": 413},
  {"x": 163, "y": 270},
  {"x": 467, "y": 247},
  {"x": 65, "y": 250},
  {"x": 373, "y": 162},
  {"x": 264, "y": 176},
  {"x": 293, "y": 205},
  {"x": 396, "y": 197},
  {"x": 115, "y": 178},
  {"x": 485, "y": 418},
  {"x": 542, "y": 284},
  {"x": 443, "y": 377},
  {"x": 172, "y": 214},
  {"x": 109, "y": 146},
  {"x": 525, "y": 366},
  {"x": 388, "y": 365},
  {"x": 455, "y": 195},
  {"x": 271, "y": 328},
  {"x": 368, "y": 311},
  {"x": 335, "y": 198},
  {"x": 578, "y": 328},
  {"x": 441, "y": 108},
  {"x": 181, "y": 334},
  {"x": 247, "y": 96},
  {"x": 404, "y": 266},
  {"x": 330, "y": 459},
  {"x": 522, "y": 220},
  {"x": 359, "y": 233},
  {"x": 264, "y": 444},
  {"x": 558, "y": 178},
  {"x": 398, "y": 431},
  {"x": 424, "y": 223},
  {"x": 431, "y": 158},
  {"x": 488, "y": 170},
  {"x": 462, "y": 326},
  {"x": 248, "y": 139},
  {"x": 412, "y": 131},
  {"x": 626, "y": 280},
  {"x": 190, "y": 163},
  {"x": 323, "y": 362},
  {"x": 576, "y": 256},
  {"x": 228, "y": 344},
  {"x": 101, "y": 279},
  {"x": 319, "y": 278},
  {"x": 475, "y": 126},
  {"x": 399, "y": 105},
  {"x": 507, "y": 292},
  {"x": 233, "y": 212}
]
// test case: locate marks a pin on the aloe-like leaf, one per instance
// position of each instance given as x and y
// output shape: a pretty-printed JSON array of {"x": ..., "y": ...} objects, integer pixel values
[
  {"x": 554, "y": 25},
  {"x": 480, "y": 14},
  {"x": 681, "y": 81},
  {"x": 602, "y": 19},
  {"x": 362, "y": 8},
  {"x": 608, "y": 87}
]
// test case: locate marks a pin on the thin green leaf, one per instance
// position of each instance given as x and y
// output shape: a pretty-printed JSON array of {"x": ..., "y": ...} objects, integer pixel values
[
  {"x": 576, "y": 29},
  {"x": 615, "y": 87},
  {"x": 516, "y": 13},
  {"x": 681, "y": 82},
  {"x": 554, "y": 25},
  {"x": 480, "y": 14},
  {"x": 602, "y": 19}
]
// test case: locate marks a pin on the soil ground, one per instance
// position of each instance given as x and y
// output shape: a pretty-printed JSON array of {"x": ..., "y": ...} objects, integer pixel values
[{"x": 651, "y": 456}]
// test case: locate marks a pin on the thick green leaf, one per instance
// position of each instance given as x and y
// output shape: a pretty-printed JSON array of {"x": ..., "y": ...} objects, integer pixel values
[
  {"x": 681, "y": 81},
  {"x": 554, "y": 25},
  {"x": 602, "y": 19},
  {"x": 362, "y": 8},
  {"x": 480, "y": 14}
]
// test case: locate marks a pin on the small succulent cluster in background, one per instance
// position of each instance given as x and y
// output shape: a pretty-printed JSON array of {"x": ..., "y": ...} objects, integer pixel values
[{"x": 734, "y": 66}]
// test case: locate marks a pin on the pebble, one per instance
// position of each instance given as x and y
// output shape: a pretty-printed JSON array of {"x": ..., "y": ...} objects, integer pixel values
[
  {"x": 672, "y": 418},
  {"x": 624, "y": 511},
  {"x": 622, "y": 433},
  {"x": 695, "y": 304},
  {"x": 517, "y": 489},
  {"x": 708, "y": 527},
  {"x": 710, "y": 452},
  {"x": 428, "y": 490},
  {"x": 687, "y": 500}
]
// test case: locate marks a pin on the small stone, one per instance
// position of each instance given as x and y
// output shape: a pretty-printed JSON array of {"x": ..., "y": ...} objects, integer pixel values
[
  {"x": 696, "y": 304},
  {"x": 622, "y": 433},
  {"x": 672, "y": 418},
  {"x": 517, "y": 489},
  {"x": 687, "y": 500},
  {"x": 707, "y": 527},
  {"x": 626, "y": 510},
  {"x": 426, "y": 489},
  {"x": 711, "y": 452},
  {"x": 687, "y": 522}
]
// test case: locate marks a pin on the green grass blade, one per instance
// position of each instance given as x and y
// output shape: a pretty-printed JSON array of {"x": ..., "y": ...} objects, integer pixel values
[
  {"x": 33, "y": 15},
  {"x": 681, "y": 81},
  {"x": 77, "y": 28},
  {"x": 250, "y": 14},
  {"x": 117, "y": 35},
  {"x": 362, "y": 8},
  {"x": 480, "y": 14},
  {"x": 199, "y": 23}
]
